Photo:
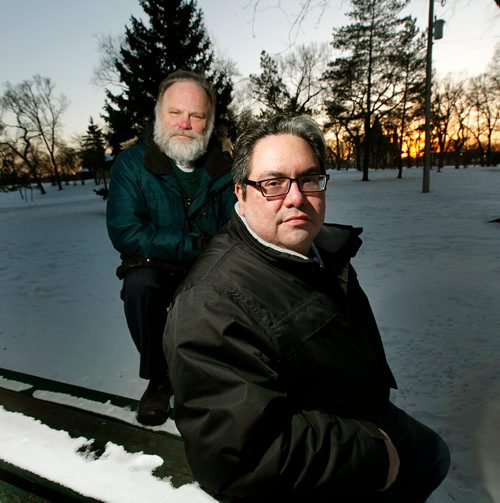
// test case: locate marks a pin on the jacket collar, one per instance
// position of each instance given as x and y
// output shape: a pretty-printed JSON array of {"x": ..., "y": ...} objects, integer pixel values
[
  {"x": 336, "y": 243},
  {"x": 277, "y": 248}
]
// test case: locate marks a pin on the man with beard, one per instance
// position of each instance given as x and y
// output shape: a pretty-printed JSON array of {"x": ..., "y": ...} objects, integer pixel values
[{"x": 167, "y": 196}]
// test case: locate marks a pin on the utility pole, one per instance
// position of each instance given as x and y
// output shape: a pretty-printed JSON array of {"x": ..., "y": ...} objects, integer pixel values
[
  {"x": 434, "y": 31},
  {"x": 428, "y": 88}
]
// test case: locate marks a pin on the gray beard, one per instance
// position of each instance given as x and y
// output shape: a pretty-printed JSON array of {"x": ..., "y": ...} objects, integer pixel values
[{"x": 181, "y": 151}]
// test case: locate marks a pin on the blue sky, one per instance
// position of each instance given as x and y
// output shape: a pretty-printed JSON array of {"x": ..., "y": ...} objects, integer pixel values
[{"x": 58, "y": 38}]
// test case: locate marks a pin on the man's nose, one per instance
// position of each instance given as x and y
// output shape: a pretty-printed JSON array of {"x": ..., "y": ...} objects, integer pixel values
[
  {"x": 294, "y": 197},
  {"x": 185, "y": 121}
]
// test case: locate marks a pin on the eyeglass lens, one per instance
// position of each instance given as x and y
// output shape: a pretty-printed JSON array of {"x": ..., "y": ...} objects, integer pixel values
[{"x": 279, "y": 186}]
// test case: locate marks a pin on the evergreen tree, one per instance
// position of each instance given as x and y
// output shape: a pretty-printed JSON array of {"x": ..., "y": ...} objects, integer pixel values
[
  {"x": 174, "y": 38},
  {"x": 93, "y": 152},
  {"x": 364, "y": 81}
]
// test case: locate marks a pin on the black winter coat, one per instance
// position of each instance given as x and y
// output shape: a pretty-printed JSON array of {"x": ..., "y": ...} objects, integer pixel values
[{"x": 278, "y": 371}]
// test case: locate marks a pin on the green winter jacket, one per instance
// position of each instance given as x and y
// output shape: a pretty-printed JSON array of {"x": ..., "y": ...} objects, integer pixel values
[{"x": 148, "y": 213}]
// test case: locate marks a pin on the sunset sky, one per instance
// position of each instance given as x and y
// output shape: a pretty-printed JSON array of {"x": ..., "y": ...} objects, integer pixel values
[{"x": 58, "y": 39}]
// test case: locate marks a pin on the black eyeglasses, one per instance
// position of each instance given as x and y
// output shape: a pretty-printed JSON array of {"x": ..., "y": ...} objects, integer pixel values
[{"x": 272, "y": 187}]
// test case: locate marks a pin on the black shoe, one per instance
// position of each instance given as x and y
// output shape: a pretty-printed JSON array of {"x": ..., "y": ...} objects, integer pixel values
[{"x": 154, "y": 405}]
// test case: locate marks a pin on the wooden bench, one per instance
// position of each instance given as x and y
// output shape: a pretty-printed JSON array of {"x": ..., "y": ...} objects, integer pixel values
[{"x": 20, "y": 485}]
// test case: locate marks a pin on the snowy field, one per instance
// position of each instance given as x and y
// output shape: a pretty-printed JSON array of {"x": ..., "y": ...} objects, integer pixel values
[{"x": 429, "y": 264}]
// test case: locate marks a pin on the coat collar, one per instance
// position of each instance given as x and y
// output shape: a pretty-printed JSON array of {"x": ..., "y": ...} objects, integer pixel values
[{"x": 336, "y": 243}]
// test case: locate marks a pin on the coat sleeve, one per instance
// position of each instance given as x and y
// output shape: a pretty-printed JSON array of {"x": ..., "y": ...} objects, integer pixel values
[
  {"x": 131, "y": 228},
  {"x": 243, "y": 436}
]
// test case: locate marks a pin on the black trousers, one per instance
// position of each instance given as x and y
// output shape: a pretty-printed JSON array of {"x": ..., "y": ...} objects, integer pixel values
[
  {"x": 424, "y": 458},
  {"x": 147, "y": 294},
  {"x": 424, "y": 463}
]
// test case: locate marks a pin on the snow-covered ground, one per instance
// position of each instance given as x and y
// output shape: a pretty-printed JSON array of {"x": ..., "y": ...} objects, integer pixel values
[{"x": 429, "y": 264}]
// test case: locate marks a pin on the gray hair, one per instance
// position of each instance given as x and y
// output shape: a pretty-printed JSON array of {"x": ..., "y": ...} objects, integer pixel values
[
  {"x": 302, "y": 126},
  {"x": 183, "y": 76}
]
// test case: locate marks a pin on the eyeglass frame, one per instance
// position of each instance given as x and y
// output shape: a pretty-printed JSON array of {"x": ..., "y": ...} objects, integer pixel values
[{"x": 258, "y": 184}]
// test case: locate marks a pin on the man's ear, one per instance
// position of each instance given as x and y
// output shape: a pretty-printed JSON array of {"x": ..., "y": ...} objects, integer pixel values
[{"x": 240, "y": 192}]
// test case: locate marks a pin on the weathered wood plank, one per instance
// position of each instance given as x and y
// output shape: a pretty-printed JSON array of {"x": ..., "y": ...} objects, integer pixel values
[{"x": 77, "y": 422}]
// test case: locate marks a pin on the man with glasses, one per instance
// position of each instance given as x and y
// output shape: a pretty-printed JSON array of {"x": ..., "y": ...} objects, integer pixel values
[{"x": 280, "y": 377}]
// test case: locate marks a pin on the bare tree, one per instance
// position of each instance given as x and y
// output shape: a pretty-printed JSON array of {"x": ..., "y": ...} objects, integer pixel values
[
  {"x": 291, "y": 83},
  {"x": 23, "y": 145},
  {"x": 411, "y": 63},
  {"x": 459, "y": 133},
  {"x": 105, "y": 73},
  {"x": 444, "y": 95},
  {"x": 306, "y": 7},
  {"x": 38, "y": 115},
  {"x": 69, "y": 160},
  {"x": 484, "y": 98}
]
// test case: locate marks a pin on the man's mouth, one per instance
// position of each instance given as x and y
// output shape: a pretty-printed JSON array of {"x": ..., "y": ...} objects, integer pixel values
[{"x": 296, "y": 219}]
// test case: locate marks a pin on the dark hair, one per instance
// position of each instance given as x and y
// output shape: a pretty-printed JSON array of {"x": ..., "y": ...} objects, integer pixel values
[
  {"x": 183, "y": 76},
  {"x": 302, "y": 126}
]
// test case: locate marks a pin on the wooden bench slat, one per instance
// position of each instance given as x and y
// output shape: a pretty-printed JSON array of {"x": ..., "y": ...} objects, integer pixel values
[{"x": 83, "y": 423}]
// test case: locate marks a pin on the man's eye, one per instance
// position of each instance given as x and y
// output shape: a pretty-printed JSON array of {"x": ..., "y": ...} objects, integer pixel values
[{"x": 278, "y": 182}]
